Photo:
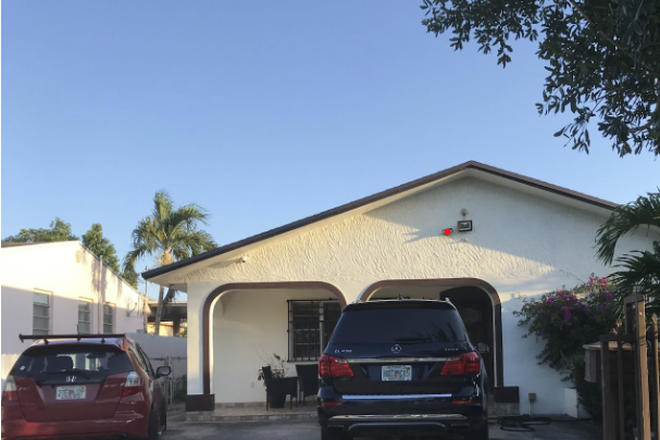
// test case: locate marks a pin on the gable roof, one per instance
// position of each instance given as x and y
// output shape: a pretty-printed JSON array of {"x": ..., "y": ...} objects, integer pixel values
[{"x": 382, "y": 197}]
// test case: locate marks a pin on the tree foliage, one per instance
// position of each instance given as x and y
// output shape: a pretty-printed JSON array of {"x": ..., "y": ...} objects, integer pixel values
[
  {"x": 101, "y": 246},
  {"x": 603, "y": 59},
  {"x": 567, "y": 319},
  {"x": 59, "y": 231},
  {"x": 173, "y": 235},
  {"x": 639, "y": 269},
  {"x": 643, "y": 212},
  {"x": 130, "y": 276}
]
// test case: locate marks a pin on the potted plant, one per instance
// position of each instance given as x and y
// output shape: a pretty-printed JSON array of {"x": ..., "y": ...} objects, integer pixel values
[{"x": 276, "y": 386}]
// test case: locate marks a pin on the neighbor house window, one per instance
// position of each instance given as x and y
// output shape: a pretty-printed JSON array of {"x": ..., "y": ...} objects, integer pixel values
[
  {"x": 40, "y": 313},
  {"x": 84, "y": 316},
  {"x": 310, "y": 325},
  {"x": 108, "y": 318}
]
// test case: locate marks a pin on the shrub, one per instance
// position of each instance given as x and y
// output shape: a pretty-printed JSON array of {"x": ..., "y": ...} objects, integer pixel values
[
  {"x": 180, "y": 388},
  {"x": 566, "y": 320}
]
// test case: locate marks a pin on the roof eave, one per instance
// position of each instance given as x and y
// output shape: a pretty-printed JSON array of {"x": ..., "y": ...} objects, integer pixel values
[{"x": 470, "y": 165}]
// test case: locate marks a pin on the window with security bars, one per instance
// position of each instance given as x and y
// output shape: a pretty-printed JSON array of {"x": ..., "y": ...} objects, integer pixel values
[
  {"x": 40, "y": 313},
  {"x": 310, "y": 325},
  {"x": 108, "y": 318},
  {"x": 84, "y": 316}
]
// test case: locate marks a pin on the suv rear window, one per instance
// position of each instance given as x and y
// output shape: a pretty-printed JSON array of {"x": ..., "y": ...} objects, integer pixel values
[
  {"x": 392, "y": 324},
  {"x": 93, "y": 360}
]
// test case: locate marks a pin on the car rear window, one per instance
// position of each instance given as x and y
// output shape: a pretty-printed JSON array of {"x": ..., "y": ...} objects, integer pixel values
[
  {"x": 94, "y": 360},
  {"x": 399, "y": 325}
]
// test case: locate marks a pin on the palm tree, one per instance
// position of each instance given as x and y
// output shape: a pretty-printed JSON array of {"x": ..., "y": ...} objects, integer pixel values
[
  {"x": 641, "y": 269},
  {"x": 171, "y": 235}
]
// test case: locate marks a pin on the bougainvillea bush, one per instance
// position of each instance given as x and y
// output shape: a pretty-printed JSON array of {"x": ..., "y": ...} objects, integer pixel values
[{"x": 566, "y": 319}]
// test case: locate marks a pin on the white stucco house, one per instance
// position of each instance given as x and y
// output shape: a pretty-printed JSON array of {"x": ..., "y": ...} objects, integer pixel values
[
  {"x": 61, "y": 288},
  {"x": 282, "y": 291}
]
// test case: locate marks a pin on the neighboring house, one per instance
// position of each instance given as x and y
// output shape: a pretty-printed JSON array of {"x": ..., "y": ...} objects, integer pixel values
[
  {"x": 172, "y": 320},
  {"x": 282, "y": 291},
  {"x": 61, "y": 288}
]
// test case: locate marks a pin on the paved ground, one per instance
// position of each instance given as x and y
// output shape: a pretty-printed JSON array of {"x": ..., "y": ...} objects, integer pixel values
[{"x": 309, "y": 430}]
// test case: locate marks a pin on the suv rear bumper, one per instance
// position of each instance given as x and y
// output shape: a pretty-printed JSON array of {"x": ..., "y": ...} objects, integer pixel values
[{"x": 408, "y": 424}]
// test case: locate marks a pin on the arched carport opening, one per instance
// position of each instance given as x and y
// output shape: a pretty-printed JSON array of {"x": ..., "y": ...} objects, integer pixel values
[
  {"x": 239, "y": 320},
  {"x": 477, "y": 302}
]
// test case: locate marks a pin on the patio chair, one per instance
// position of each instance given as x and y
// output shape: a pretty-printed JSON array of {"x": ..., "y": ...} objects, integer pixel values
[
  {"x": 286, "y": 385},
  {"x": 308, "y": 381}
]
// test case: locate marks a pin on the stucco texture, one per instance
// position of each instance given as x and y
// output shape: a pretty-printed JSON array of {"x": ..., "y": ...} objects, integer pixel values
[{"x": 522, "y": 244}]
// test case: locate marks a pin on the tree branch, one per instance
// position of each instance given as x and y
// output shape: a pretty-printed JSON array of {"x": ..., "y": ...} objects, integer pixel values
[{"x": 607, "y": 37}]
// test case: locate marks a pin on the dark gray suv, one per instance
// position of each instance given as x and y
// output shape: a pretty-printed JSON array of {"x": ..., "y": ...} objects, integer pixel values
[{"x": 401, "y": 367}]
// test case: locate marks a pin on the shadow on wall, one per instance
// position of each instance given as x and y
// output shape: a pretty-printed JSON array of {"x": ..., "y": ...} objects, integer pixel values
[
  {"x": 99, "y": 277},
  {"x": 497, "y": 213}
]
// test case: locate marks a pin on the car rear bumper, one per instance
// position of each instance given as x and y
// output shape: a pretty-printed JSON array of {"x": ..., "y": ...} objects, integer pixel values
[
  {"x": 119, "y": 427},
  {"x": 408, "y": 424}
]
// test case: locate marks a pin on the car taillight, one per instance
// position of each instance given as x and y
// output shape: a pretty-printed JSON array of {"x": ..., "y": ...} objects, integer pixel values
[
  {"x": 133, "y": 384},
  {"x": 10, "y": 393},
  {"x": 467, "y": 401},
  {"x": 467, "y": 364},
  {"x": 332, "y": 366}
]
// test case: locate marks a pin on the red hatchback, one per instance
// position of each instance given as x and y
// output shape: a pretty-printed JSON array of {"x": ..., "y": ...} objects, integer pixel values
[{"x": 83, "y": 386}]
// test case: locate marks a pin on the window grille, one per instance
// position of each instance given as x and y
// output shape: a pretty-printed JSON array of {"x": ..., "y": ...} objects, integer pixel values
[{"x": 310, "y": 325}]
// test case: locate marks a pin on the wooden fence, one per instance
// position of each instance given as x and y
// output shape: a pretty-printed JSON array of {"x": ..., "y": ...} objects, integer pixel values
[{"x": 627, "y": 356}]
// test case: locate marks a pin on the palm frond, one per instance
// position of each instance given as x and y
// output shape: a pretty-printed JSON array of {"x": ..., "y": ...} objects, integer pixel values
[
  {"x": 625, "y": 219},
  {"x": 641, "y": 274}
]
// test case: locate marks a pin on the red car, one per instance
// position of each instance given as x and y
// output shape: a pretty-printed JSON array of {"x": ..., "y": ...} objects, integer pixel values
[{"x": 83, "y": 386}]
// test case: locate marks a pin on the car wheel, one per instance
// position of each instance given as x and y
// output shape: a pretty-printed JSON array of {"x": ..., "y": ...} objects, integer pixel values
[
  {"x": 327, "y": 434},
  {"x": 163, "y": 419},
  {"x": 152, "y": 430},
  {"x": 480, "y": 433}
]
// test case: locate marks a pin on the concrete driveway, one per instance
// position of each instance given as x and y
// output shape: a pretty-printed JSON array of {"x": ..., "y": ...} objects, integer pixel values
[{"x": 309, "y": 430}]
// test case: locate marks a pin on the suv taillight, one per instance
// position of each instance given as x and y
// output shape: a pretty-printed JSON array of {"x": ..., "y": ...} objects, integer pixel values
[
  {"x": 10, "y": 393},
  {"x": 332, "y": 366},
  {"x": 133, "y": 384},
  {"x": 467, "y": 364}
]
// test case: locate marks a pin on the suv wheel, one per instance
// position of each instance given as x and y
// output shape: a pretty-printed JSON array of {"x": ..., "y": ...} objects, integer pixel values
[{"x": 327, "y": 434}]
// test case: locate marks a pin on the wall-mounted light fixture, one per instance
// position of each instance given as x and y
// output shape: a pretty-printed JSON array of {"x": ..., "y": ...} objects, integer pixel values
[{"x": 464, "y": 226}]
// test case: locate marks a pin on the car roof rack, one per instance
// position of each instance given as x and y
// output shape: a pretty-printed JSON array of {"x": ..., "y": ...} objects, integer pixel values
[{"x": 77, "y": 336}]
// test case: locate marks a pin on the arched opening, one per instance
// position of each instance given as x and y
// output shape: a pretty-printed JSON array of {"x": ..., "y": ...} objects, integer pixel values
[
  {"x": 477, "y": 302},
  {"x": 232, "y": 302}
]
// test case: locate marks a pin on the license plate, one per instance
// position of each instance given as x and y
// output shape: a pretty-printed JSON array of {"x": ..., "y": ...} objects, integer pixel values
[
  {"x": 396, "y": 372},
  {"x": 77, "y": 392}
]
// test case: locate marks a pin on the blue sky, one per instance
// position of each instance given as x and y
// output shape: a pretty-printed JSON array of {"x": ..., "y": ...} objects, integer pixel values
[{"x": 262, "y": 112}]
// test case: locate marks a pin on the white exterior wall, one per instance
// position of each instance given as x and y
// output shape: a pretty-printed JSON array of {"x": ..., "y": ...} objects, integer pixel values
[
  {"x": 521, "y": 244},
  {"x": 67, "y": 271},
  {"x": 251, "y": 325},
  {"x": 160, "y": 347}
]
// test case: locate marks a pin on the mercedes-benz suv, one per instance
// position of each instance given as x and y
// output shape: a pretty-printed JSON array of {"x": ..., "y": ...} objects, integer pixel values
[{"x": 401, "y": 367}]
